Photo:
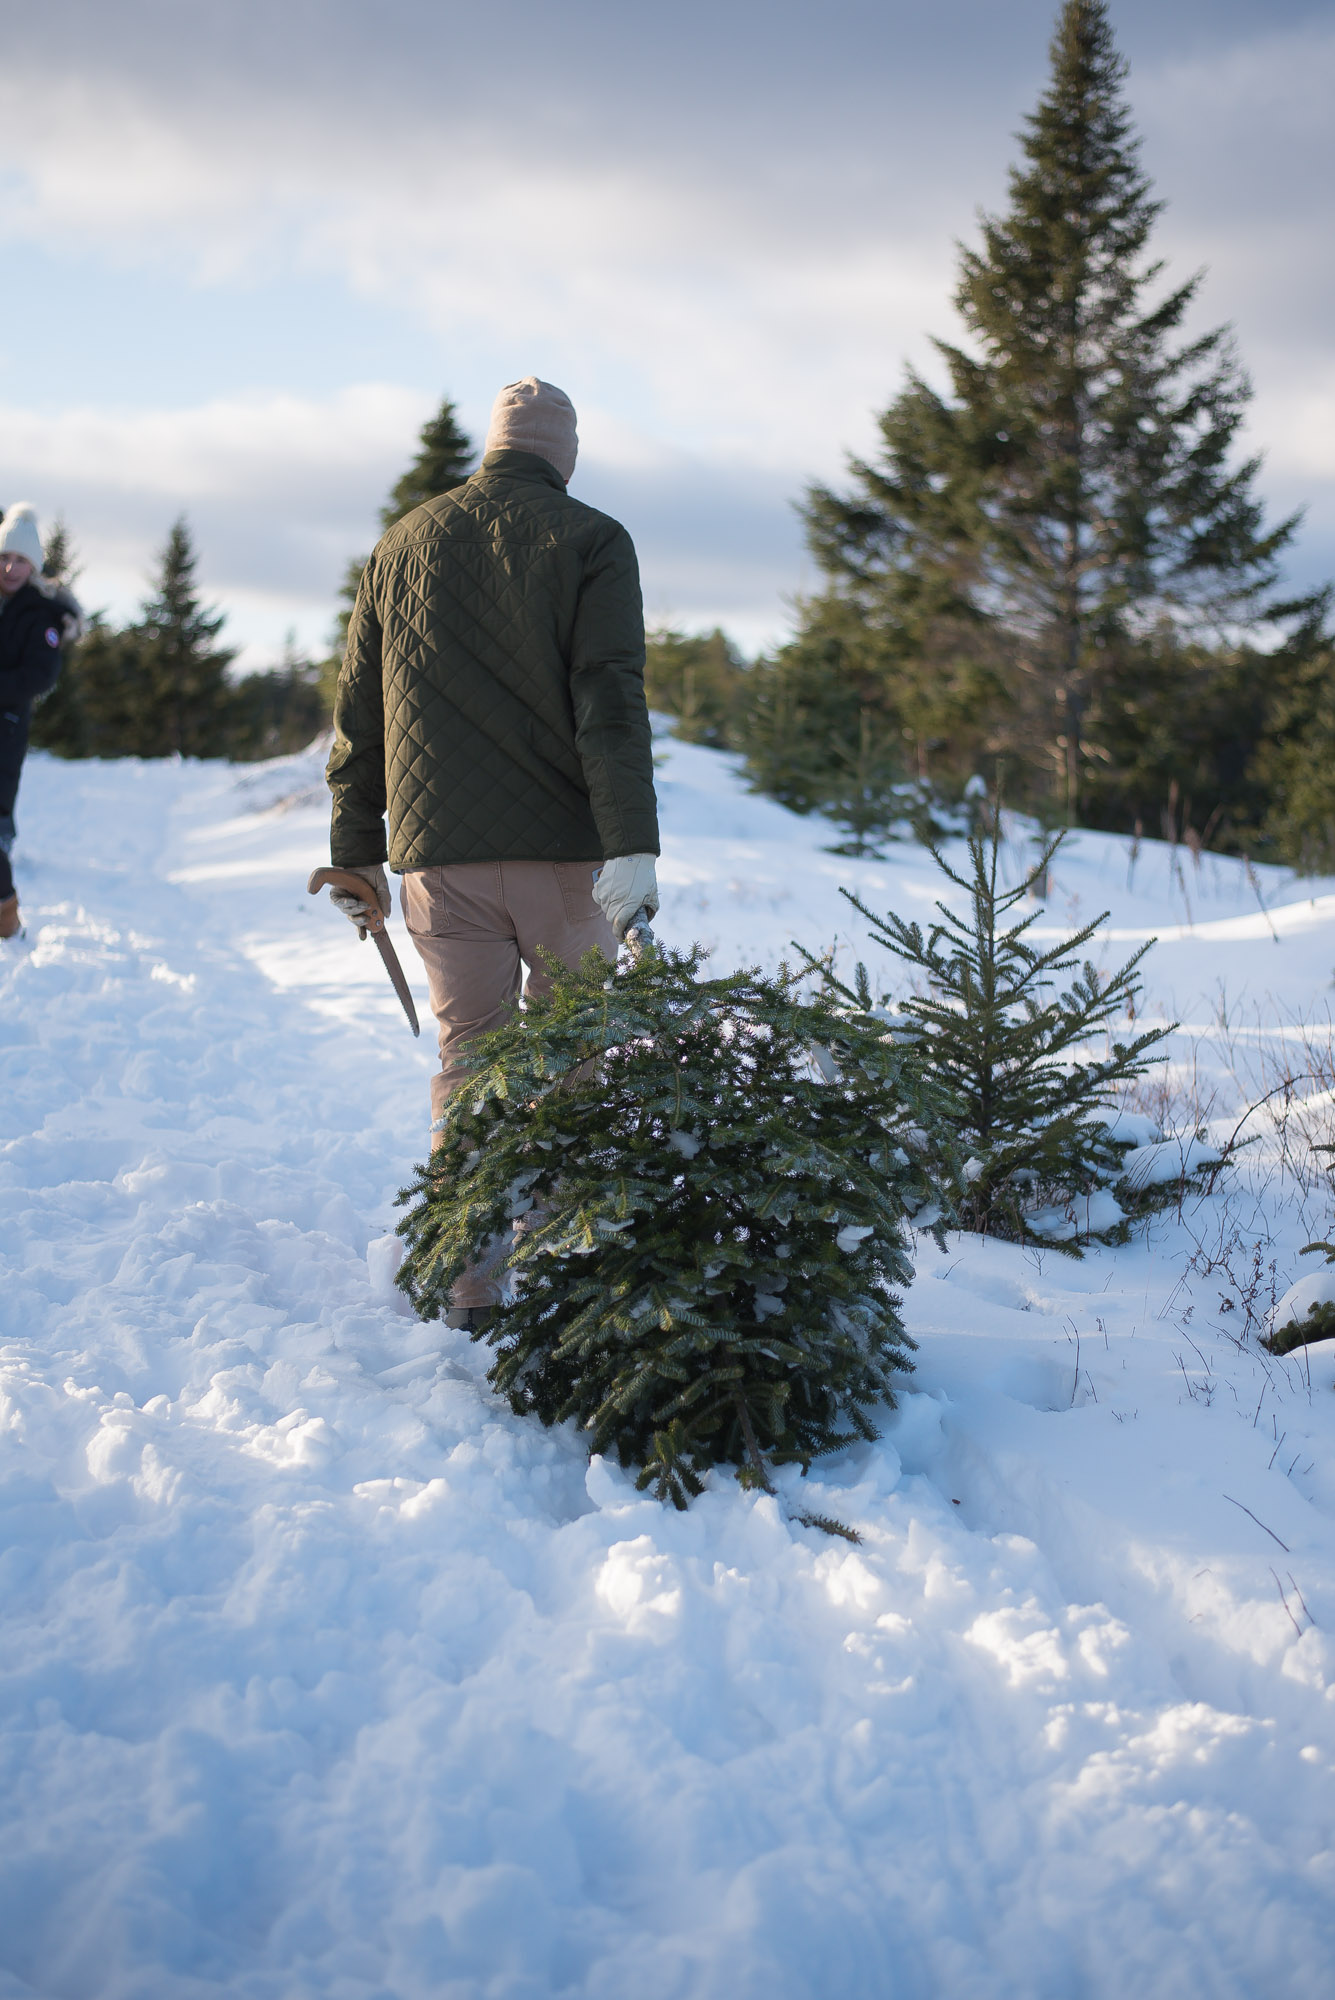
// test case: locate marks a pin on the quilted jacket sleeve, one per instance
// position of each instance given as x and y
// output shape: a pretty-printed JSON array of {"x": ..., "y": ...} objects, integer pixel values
[
  {"x": 612, "y": 733},
  {"x": 356, "y": 767}
]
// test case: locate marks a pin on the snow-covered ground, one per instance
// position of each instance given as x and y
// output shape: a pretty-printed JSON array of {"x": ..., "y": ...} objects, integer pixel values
[{"x": 324, "y": 1675}]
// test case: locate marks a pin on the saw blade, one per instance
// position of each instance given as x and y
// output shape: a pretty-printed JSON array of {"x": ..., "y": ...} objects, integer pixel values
[{"x": 395, "y": 971}]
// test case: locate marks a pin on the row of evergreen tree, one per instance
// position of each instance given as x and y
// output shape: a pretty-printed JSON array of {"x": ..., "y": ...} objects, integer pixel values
[
  {"x": 1056, "y": 558},
  {"x": 161, "y": 685}
]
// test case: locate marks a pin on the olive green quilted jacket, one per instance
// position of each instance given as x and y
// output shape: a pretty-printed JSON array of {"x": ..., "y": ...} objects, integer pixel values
[{"x": 492, "y": 693}]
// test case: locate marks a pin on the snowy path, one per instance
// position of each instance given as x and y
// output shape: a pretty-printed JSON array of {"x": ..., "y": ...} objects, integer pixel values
[{"x": 323, "y": 1675}]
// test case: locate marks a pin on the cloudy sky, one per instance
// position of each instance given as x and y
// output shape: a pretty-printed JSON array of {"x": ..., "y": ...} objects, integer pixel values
[{"x": 247, "y": 245}]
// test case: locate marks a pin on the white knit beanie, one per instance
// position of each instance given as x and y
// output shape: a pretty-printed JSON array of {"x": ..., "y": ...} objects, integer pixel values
[
  {"x": 18, "y": 533},
  {"x": 533, "y": 416}
]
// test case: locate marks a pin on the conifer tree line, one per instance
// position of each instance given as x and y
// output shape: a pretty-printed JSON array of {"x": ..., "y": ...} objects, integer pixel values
[{"x": 159, "y": 686}]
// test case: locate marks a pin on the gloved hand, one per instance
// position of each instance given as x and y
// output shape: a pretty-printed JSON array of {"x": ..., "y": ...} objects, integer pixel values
[
  {"x": 358, "y": 908},
  {"x": 624, "y": 887},
  {"x": 66, "y": 606}
]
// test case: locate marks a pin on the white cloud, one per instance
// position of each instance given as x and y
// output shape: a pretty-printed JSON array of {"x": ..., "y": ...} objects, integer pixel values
[
  {"x": 1295, "y": 420},
  {"x": 287, "y": 444},
  {"x": 701, "y": 313},
  {"x": 1240, "y": 138}
]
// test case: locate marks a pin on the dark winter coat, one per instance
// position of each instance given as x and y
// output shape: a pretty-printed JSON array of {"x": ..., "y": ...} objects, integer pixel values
[
  {"x": 31, "y": 628},
  {"x": 492, "y": 693}
]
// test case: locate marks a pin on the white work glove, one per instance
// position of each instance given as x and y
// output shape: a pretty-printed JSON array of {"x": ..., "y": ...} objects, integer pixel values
[
  {"x": 358, "y": 908},
  {"x": 624, "y": 887}
]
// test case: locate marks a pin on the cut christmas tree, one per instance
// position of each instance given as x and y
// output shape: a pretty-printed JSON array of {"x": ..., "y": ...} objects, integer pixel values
[{"x": 704, "y": 1183}]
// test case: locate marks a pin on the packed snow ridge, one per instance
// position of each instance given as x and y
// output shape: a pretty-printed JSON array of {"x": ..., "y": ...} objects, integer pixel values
[{"x": 324, "y": 1675}]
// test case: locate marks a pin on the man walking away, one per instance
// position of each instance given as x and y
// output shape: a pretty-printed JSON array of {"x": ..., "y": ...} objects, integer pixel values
[
  {"x": 492, "y": 702},
  {"x": 37, "y": 617}
]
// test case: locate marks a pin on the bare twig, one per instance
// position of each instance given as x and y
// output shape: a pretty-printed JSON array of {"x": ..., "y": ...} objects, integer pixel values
[
  {"x": 1259, "y": 1522},
  {"x": 1285, "y": 1602},
  {"x": 1302, "y": 1600},
  {"x": 1256, "y": 891},
  {"x": 1285, "y": 1085}
]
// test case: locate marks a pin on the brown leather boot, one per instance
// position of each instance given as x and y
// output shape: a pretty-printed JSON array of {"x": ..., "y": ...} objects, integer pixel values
[{"x": 9, "y": 916}]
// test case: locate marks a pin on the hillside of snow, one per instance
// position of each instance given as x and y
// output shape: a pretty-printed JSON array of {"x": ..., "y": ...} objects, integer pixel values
[{"x": 324, "y": 1675}]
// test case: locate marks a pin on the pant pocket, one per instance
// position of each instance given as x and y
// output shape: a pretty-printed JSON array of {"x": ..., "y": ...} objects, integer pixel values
[
  {"x": 425, "y": 910},
  {"x": 576, "y": 883}
]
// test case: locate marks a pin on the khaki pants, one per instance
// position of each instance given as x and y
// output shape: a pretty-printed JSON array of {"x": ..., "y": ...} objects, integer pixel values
[{"x": 474, "y": 923}]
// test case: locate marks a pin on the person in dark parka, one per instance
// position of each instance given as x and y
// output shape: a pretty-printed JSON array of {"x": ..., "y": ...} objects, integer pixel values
[{"x": 36, "y": 618}]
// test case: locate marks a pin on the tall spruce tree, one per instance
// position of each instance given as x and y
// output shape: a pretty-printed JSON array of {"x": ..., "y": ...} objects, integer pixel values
[
  {"x": 444, "y": 460},
  {"x": 60, "y": 561},
  {"x": 184, "y": 700},
  {"x": 1077, "y": 481}
]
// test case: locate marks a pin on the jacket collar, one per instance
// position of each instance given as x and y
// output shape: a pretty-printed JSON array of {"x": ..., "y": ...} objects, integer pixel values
[
  {"x": 524, "y": 464},
  {"x": 27, "y": 593}
]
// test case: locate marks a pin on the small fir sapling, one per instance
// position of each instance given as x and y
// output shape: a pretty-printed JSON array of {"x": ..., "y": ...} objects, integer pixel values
[
  {"x": 868, "y": 797},
  {"x": 707, "y": 1181},
  {"x": 1006, "y": 1056}
]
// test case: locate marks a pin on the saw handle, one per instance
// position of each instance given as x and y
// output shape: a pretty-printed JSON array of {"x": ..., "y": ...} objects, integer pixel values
[{"x": 353, "y": 885}]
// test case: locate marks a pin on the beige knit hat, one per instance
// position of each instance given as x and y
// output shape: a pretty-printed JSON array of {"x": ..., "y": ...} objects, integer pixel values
[
  {"x": 18, "y": 533},
  {"x": 533, "y": 416}
]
